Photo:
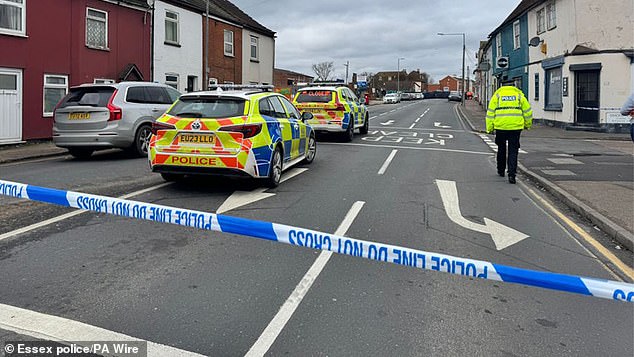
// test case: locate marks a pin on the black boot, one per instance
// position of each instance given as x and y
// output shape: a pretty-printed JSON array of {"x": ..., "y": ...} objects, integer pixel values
[
  {"x": 501, "y": 173},
  {"x": 511, "y": 179}
]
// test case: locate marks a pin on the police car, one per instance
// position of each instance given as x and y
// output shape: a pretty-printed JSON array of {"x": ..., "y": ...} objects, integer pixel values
[
  {"x": 335, "y": 108},
  {"x": 239, "y": 130}
]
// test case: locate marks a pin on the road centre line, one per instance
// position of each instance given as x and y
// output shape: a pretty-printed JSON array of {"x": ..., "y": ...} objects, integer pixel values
[
  {"x": 387, "y": 162},
  {"x": 428, "y": 129},
  {"x": 275, "y": 327},
  {"x": 488, "y": 153},
  {"x": 73, "y": 214},
  {"x": 63, "y": 330}
]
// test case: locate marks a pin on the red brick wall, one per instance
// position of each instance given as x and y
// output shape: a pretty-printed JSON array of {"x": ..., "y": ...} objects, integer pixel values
[{"x": 224, "y": 68}]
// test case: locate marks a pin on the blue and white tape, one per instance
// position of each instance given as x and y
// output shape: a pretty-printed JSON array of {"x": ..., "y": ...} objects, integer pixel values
[{"x": 301, "y": 237}]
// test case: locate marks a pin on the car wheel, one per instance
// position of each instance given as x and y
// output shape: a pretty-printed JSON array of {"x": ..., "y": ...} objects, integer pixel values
[
  {"x": 171, "y": 177},
  {"x": 81, "y": 153},
  {"x": 349, "y": 134},
  {"x": 366, "y": 125},
  {"x": 275, "y": 169},
  {"x": 312, "y": 149},
  {"x": 141, "y": 140}
]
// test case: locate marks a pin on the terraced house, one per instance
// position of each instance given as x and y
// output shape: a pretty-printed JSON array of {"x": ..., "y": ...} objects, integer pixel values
[
  {"x": 184, "y": 43},
  {"x": 572, "y": 58}
]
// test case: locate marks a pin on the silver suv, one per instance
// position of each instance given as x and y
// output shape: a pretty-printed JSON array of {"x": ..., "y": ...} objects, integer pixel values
[{"x": 102, "y": 116}]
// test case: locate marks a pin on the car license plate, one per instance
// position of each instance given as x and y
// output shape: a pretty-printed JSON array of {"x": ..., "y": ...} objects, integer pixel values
[
  {"x": 79, "y": 116},
  {"x": 196, "y": 139}
]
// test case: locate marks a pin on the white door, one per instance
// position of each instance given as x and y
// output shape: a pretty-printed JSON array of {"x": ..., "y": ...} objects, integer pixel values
[{"x": 10, "y": 106}]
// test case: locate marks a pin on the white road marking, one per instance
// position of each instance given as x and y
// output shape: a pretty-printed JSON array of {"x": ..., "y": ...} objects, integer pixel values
[
  {"x": 565, "y": 161},
  {"x": 387, "y": 162},
  {"x": 419, "y": 118},
  {"x": 493, "y": 145},
  {"x": 440, "y": 125},
  {"x": 502, "y": 235},
  {"x": 243, "y": 198},
  {"x": 389, "y": 122},
  {"x": 73, "y": 214},
  {"x": 411, "y": 148},
  {"x": 270, "y": 333},
  {"x": 55, "y": 328}
]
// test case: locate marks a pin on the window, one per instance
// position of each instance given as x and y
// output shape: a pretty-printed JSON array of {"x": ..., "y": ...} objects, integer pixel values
[
  {"x": 278, "y": 108},
  {"x": 103, "y": 81},
  {"x": 265, "y": 108},
  {"x": 541, "y": 21},
  {"x": 553, "y": 89},
  {"x": 254, "y": 48},
  {"x": 551, "y": 16},
  {"x": 136, "y": 95},
  {"x": 13, "y": 16},
  {"x": 292, "y": 111},
  {"x": 173, "y": 93},
  {"x": 516, "y": 35},
  {"x": 55, "y": 88},
  {"x": 157, "y": 95},
  {"x": 171, "y": 79},
  {"x": 498, "y": 44},
  {"x": 536, "y": 86},
  {"x": 228, "y": 43},
  {"x": 171, "y": 27},
  {"x": 96, "y": 28}
]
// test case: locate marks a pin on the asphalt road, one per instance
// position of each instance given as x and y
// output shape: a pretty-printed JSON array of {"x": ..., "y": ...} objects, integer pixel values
[{"x": 215, "y": 294}]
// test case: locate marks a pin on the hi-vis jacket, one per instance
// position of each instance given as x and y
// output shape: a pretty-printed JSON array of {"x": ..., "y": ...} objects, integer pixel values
[{"x": 509, "y": 110}]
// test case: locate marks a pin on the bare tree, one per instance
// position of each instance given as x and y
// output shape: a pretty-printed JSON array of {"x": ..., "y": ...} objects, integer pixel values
[{"x": 323, "y": 70}]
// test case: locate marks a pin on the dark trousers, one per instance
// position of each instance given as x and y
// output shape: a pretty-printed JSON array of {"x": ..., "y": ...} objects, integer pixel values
[{"x": 513, "y": 139}]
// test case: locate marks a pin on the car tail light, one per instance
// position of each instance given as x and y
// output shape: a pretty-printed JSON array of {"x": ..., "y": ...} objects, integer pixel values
[
  {"x": 115, "y": 112},
  {"x": 247, "y": 130},
  {"x": 157, "y": 125},
  {"x": 338, "y": 103}
]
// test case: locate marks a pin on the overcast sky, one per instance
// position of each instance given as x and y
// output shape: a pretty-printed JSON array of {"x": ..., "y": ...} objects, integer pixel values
[{"x": 373, "y": 34}]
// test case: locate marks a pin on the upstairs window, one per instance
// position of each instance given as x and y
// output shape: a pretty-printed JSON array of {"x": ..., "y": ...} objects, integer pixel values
[
  {"x": 541, "y": 21},
  {"x": 228, "y": 43},
  {"x": 551, "y": 16},
  {"x": 13, "y": 16},
  {"x": 498, "y": 44},
  {"x": 516, "y": 35},
  {"x": 96, "y": 28},
  {"x": 171, "y": 27},
  {"x": 254, "y": 48}
]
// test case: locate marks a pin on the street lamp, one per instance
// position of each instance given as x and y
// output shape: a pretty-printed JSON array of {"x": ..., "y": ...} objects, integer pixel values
[
  {"x": 464, "y": 49},
  {"x": 398, "y": 74}
]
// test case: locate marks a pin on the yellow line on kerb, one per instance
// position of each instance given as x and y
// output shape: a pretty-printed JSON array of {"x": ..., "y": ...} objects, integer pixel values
[{"x": 629, "y": 272}]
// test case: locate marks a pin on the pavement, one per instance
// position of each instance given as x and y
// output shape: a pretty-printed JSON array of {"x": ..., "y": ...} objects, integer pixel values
[{"x": 591, "y": 172}]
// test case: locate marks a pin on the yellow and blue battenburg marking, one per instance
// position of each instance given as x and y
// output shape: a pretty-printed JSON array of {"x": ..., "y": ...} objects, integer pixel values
[
  {"x": 301, "y": 237},
  {"x": 204, "y": 143}
]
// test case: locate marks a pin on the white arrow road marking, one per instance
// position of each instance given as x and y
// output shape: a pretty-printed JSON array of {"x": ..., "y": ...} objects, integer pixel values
[
  {"x": 502, "y": 235},
  {"x": 243, "y": 198},
  {"x": 438, "y": 125},
  {"x": 389, "y": 122}
]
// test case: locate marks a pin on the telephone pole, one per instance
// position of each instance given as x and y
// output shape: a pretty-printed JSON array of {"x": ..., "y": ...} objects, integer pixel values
[{"x": 347, "y": 64}]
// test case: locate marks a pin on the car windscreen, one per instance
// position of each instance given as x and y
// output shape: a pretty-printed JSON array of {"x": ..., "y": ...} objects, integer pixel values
[
  {"x": 208, "y": 107},
  {"x": 314, "y": 96},
  {"x": 87, "y": 96}
]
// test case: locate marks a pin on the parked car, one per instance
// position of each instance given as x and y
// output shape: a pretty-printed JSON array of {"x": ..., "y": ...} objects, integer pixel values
[
  {"x": 454, "y": 96},
  {"x": 243, "y": 130},
  {"x": 102, "y": 116},
  {"x": 391, "y": 98},
  {"x": 335, "y": 109}
]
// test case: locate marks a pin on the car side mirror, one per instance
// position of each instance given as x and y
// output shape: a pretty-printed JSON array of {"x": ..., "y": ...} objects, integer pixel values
[{"x": 306, "y": 116}]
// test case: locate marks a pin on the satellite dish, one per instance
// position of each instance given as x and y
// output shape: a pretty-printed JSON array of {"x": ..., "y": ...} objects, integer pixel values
[{"x": 535, "y": 41}]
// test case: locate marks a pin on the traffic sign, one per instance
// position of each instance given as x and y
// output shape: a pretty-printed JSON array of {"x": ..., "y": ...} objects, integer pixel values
[{"x": 503, "y": 62}]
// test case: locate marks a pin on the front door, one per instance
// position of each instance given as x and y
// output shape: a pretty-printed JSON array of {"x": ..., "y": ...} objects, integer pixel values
[
  {"x": 10, "y": 106},
  {"x": 587, "y": 97}
]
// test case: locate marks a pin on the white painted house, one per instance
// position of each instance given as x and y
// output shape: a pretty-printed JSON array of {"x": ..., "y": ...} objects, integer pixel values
[
  {"x": 581, "y": 62},
  {"x": 258, "y": 57},
  {"x": 178, "y": 46}
]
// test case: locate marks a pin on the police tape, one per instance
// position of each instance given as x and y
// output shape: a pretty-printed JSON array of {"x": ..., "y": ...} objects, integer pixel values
[{"x": 606, "y": 289}]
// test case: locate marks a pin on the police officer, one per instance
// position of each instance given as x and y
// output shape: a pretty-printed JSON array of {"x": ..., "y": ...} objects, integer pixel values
[{"x": 508, "y": 114}]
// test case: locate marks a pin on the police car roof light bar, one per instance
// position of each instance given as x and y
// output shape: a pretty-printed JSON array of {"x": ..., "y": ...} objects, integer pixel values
[{"x": 261, "y": 87}]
